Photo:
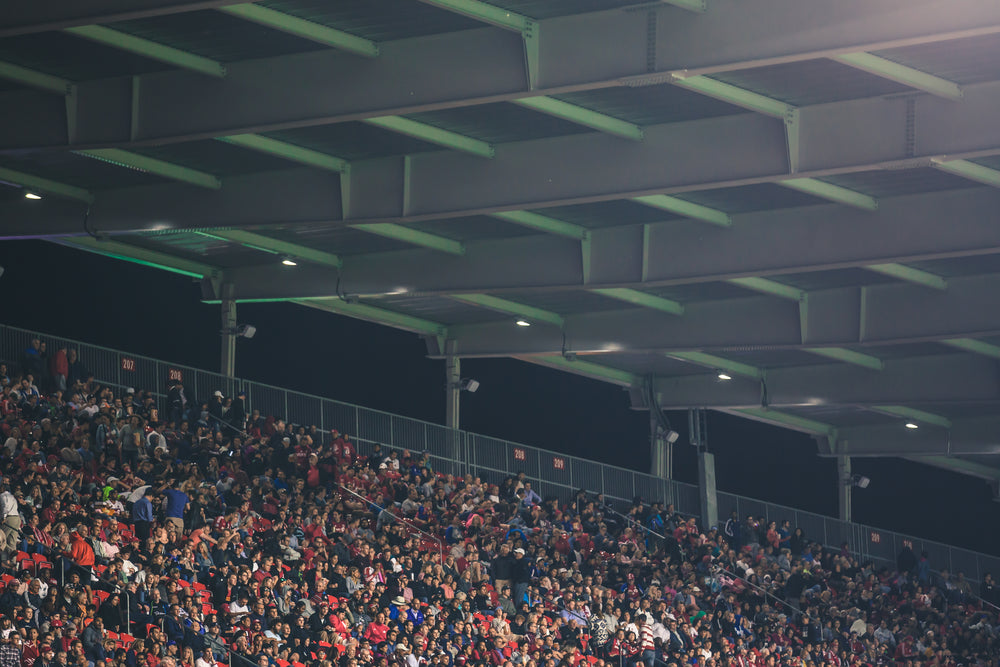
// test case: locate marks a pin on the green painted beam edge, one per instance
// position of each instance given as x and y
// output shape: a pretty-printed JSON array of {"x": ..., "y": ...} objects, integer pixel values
[
  {"x": 786, "y": 419},
  {"x": 580, "y": 116},
  {"x": 510, "y": 307},
  {"x": 150, "y": 258},
  {"x": 585, "y": 368},
  {"x": 720, "y": 363},
  {"x": 278, "y": 246},
  {"x": 377, "y": 315},
  {"x": 686, "y": 208},
  {"x": 910, "y": 274},
  {"x": 974, "y": 346},
  {"x": 154, "y": 166},
  {"x": 690, "y": 5},
  {"x": 31, "y": 182},
  {"x": 415, "y": 236},
  {"x": 482, "y": 11},
  {"x": 834, "y": 193},
  {"x": 149, "y": 49},
  {"x": 907, "y": 76},
  {"x": 543, "y": 223},
  {"x": 299, "y": 27},
  {"x": 734, "y": 95},
  {"x": 768, "y": 286},
  {"x": 29, "y": 77},
  {"x": 638, "y": 298},
  {"x": 282, "y": 149},
  {"x": 434, "y": 135},
  {"x": 970, "y": 170},
  {"x": 848, "y": 357},
  {"x": 913, "y": 413}
]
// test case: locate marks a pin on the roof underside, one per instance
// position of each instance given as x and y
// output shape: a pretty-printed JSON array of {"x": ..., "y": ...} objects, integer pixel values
[{"x": 799, "y": 197}]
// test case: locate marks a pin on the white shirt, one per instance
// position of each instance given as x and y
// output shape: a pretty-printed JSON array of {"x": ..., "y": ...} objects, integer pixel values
[{"x": 8, "y": 504}]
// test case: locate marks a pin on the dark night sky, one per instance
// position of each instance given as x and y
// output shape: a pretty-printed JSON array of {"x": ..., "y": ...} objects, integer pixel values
[{"x": 56, "y": 290}]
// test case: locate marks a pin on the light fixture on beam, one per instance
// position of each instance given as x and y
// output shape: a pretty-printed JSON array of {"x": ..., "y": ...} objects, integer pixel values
[
  {"x": 469, "y": 385},
  {"x": 523, "y": 323},
  {"x": 724, "y": 376},
  {"x": 859, "y": 481},
  {"x": 289, "y": 261},
  {"x": 32, "y": 195},
  {"x": 912, "y": 425}
]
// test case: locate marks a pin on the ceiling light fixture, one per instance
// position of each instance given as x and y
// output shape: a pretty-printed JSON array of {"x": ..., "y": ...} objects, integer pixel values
[
  {"x": 288, "y": 261},
  {"x": 911, "y": 425},
  {"x": 724, "y": 376},
  {"x": 523, "y": 323},
  {"x": 31, "y": 195}
]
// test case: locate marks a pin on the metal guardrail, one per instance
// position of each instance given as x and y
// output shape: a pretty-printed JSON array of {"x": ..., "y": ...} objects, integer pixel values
[{"x": 460, "y": 452}]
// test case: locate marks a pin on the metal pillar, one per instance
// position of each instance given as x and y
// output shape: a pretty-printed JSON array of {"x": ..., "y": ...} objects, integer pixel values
[
  {"x": 845, "y": 487},
  {"x": 228, "y": 330},
  {"x": 698, "y": 429},
  {"x": 453, "y": 380},
  {"x": 661, "y": 451}
]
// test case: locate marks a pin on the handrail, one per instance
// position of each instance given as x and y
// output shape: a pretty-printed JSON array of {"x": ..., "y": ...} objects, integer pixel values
[{"x": 398, "y": 518}]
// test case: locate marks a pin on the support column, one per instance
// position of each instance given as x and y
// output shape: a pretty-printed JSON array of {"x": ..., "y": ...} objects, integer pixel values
[
  {"x": 706, "y": 485},
  {"x": 453, "y": 379},
  {"x": 228, "y": 330},
  {"x": 661, "y": 452},
  {"x": 845, "y": 488}
]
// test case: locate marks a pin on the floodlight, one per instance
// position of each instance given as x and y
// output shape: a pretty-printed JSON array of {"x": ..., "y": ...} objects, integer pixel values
[
  {"x": 288, "y": 261},
  {"x": 469, "y": 385},
  {"x": 911, "y": 425},
  {"x": 672, "y": 437},
  {"x": 32, "y": 195},
  {"x": 523, "y": 323},
  {"x": 724, "y": 376},
  {"x": 862, "y": 482},
  {"x": 246, "y": 331}
]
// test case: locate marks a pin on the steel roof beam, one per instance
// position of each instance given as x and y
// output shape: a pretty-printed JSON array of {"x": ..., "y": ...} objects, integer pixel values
[
  {"x": 414, "y": 236},
  {"x": 974, "y": 346},
  {"x": 586, "y": 369},
  {"x": 37, "y": 184},
  {"x": 149, "y": 49},
  {"x": 638, "y": 298},
  {"x": 690, "y": 5},
  {"x": 142, "y": 256},
  {"x": 849, "y": 357},
  {"x": 961, "y": 466},
  {"x": 544, "y": 223},
  {"x": 910, "y": 274},
  {"x": 485, "y": 12},
  {"x": 152, "y": 165},
  {"x": 288, "y": 151},
  {"x": 784, "y": 420},
  {"x": 740, "y": 97},
  {"x": 918, "y": 382},
  {"x": 921, "y": 416},
  {"x": 34, "y": 79},
  {"x": 530, "y": 313},
  {"x": 277, "y": 246},
  {"x": 293, "y": 25},
  {"x": 718, "y": 363},
  {"x": 29, "y": 17},
  {"x": 768, "y": 286},
  {"x": 970, "y": 170},
  {"x": 973, "y": 436},
  {"x": 686, "y": 208},
  {"x": 907, "y": 76},
  {"x": 434, "y": 135},
  {"x": 831, "y": 192},
  {"x": 323, "y": 86},
  {"x": 581, "y": 116},
  {"x": 363, "y": 311}
]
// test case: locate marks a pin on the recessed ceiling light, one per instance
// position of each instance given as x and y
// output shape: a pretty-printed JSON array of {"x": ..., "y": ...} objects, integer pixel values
[
  {"x": 523, "y": 323},
  {"x": 288, "y": 261},
  {"x": 725, "y": 376},
  {"x": 911, "y": 425},
  {"x": 31, "y": 195}
]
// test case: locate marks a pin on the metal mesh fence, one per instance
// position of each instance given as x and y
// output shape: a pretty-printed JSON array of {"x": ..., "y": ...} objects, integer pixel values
[{"x": 459, "y": 452}]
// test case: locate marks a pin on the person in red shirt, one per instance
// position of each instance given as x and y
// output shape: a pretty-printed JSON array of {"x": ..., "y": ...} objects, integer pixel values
[
  {"x": 81, "y": 553},
  {"x": 377, "y": 630}
]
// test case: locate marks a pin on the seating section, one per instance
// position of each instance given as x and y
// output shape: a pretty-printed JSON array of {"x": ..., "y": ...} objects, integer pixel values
[{"x": 194, "y": 532}]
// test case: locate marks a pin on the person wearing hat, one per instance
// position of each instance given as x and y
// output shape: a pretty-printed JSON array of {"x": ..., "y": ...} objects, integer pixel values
[{"x": 520, "y": 574}]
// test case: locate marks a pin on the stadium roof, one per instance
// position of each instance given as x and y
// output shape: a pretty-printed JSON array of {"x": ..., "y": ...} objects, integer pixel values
[{"x": 799, "y": 195}]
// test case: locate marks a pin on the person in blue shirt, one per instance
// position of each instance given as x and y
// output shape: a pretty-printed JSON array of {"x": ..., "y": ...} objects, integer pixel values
[
  {"x": 142, "y": 515},
  {"x": 177, "y": 503}
]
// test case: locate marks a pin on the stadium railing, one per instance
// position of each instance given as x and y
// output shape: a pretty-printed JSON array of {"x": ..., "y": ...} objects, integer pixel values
[{"x": 459, "y": 452}]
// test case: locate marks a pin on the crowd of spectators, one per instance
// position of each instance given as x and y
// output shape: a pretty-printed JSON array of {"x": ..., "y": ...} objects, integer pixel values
[{"x": 180, "y": 532}]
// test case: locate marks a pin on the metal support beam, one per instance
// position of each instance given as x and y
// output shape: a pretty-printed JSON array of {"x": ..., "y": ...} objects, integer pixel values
[
  {"x": 686, "y": 208},
  {"x": 434, "y": 135},
  {"x": 453, "y": 389},
  {"x": 484, "y": 12},
  {"x": 577, "y": 114},
  {"x": 718, "y": 363},
  {"x": 277, "y": 246},
  {"x": 907, "y": 76},
  {"x": 831, "y": 192},
  {"x": 363, "y": 311},
  {"x": 961, "y": 437},
  {"x": 543, "y": 223},
  {"x": 141, "y": 256},
  {"x": 707, "y": 492},
  {"x": 734, "y": 95},
  {"x": 587, "y": 369},
  {"x": 768, "y": 286},
  {"x": 149, "y": 49},
  {"x": 414, "y": 236},
  {"x": 228, "y": 309},
  {"x": 529, "y": 313},
  {"x": 910, "y": 274},
  {"x": 690, "y": 5},
  {"x": 970, "y": 170},
  {"x": 961, "y": 466},
  {"x": 661, "y": 452},
  {"x": 784, "y": 420},
  {"x": 974, "y": 346},
  {"x": 845, "y": 488},
  {"x": 848, "y": 357},
  {"x": 33, "y": 79},
  {"x": 288, "y": 151},
  {"x": 37, "y": 184},
  {"x": 152, "y": 165},
  {"x": 643, "y": 299},
  {"x": 293, "y": 25},
  {"x": 921, "y": 416}
]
